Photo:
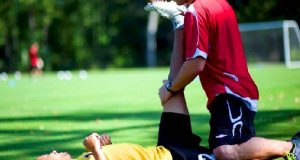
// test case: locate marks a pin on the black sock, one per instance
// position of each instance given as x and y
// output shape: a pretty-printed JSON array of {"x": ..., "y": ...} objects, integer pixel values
[{"x": 176, "y": 128}]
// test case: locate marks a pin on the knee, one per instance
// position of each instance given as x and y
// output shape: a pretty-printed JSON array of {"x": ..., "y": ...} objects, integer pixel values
[{"x": 226, "y": 152}]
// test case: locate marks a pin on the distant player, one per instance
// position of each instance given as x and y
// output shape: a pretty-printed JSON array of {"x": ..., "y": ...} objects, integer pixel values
[
  {"x": 212, "y": 46},
  {"x": 36, "y": 63}
]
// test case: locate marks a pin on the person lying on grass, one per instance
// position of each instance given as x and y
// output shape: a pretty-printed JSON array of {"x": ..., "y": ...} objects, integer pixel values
[
  {"x": 102, "y": 140},
  {"x": 175, "y": 141}
]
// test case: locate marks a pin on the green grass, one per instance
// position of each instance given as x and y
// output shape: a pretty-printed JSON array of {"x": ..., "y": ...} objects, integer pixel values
[{"x": 43, "y": 114}]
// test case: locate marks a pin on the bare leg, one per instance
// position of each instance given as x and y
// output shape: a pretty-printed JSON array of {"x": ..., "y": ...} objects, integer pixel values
[
  {"x": 178, "y": 56},
  {"x": 174, "y": 13},
  {"x": 175, "y": 125},
  {"x": 177, "y": 103},
  {"x": 255, "y": 148}
]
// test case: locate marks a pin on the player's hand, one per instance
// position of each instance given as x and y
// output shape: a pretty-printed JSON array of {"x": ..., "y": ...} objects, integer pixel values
[
  {"x": 163, "y": 93},
  {"x": 92, "y": 142},
  {"x": 105, "y": 140}
]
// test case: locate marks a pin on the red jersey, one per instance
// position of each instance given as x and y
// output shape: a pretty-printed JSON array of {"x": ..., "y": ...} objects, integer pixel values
[
  {"x": 211, "y": 31},
  {"x": 33, "y": 51}
]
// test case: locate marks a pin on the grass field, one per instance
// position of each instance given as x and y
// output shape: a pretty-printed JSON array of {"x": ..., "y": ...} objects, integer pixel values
[{"x": 43, "y": 114}]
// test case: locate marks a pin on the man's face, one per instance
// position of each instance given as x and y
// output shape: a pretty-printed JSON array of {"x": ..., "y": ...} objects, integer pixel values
[{"x": 55, "y": 156}]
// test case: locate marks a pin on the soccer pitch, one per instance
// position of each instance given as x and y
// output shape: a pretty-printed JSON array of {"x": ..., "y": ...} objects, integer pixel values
[{"x": 42, "y": 114}]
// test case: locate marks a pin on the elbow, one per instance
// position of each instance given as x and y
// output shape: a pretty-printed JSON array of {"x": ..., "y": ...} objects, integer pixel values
[
  {"x": 197, "y": 71},
  {"x": 200, "y": 65},
  {"x": 195, "y": 65}
]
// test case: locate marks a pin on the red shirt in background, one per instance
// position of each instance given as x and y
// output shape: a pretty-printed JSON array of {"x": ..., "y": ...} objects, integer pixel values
[{"x": 33, "y": 55}]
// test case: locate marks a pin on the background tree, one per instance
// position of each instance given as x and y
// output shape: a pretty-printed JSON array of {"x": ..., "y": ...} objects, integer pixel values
[{"x": 75, "y": 34}]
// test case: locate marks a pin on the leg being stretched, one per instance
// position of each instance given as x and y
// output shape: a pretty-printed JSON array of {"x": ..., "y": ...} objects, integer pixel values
[{"x": 175, "y": 131}]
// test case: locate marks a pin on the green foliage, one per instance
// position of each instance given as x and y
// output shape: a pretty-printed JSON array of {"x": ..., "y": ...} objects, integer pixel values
[
  {"x": 74, "y": 33},
  {"x": 256, "y": 11},
  {"x": 77, "y": 34},
  {"x": 267, "y": 10}
]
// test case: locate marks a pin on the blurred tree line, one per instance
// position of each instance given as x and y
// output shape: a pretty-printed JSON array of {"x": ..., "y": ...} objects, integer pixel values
[{"x": 76, "y": 34}]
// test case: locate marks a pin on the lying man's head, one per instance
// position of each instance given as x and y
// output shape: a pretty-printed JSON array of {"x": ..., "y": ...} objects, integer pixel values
[{"x": 55, "y": 156}]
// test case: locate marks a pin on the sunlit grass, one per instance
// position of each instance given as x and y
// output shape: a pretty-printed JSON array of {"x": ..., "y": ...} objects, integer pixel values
[{"x": 42, "y": 114}]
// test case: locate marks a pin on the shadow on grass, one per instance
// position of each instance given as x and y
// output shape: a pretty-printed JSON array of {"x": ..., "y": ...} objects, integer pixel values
[
  {"x": 87, "y": 116},
  {"x": 47, "y": 140},
  {"x": 57, "y": 141},
  {"x": 23, "y": 144}
]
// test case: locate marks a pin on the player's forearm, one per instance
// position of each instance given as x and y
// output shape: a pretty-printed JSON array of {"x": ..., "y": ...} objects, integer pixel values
[
  {"x": 189, "y": 70},
  {"x": 184, "y": 77}
]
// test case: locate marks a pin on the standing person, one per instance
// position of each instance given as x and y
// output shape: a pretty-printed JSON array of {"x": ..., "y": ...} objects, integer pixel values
[
  {"x": 214, "y": 52},
  {"x": 36, "y": 63}
]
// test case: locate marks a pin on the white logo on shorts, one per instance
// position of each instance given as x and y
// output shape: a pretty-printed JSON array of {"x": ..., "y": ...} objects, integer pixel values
[
  {"x": 221, "y": 136},
  {"x": 236, "y": 121}
]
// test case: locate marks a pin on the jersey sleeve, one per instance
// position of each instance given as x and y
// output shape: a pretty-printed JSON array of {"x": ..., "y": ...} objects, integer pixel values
[{"x": 196, "y": 36}]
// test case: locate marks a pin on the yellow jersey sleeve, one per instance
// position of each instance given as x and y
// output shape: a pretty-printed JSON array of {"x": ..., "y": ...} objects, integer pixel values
[{"x": 135, "y": 152}]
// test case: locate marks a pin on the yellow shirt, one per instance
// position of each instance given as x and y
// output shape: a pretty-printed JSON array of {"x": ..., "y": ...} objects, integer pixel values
[
  {"x": 127, "y": 151},
  {"x": 85, "y": 156}
]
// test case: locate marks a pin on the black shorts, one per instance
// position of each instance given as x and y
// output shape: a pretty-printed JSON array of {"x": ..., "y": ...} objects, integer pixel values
[
  {"x": 232, "y": 122},
  {"x": 176, "y": 135}
]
